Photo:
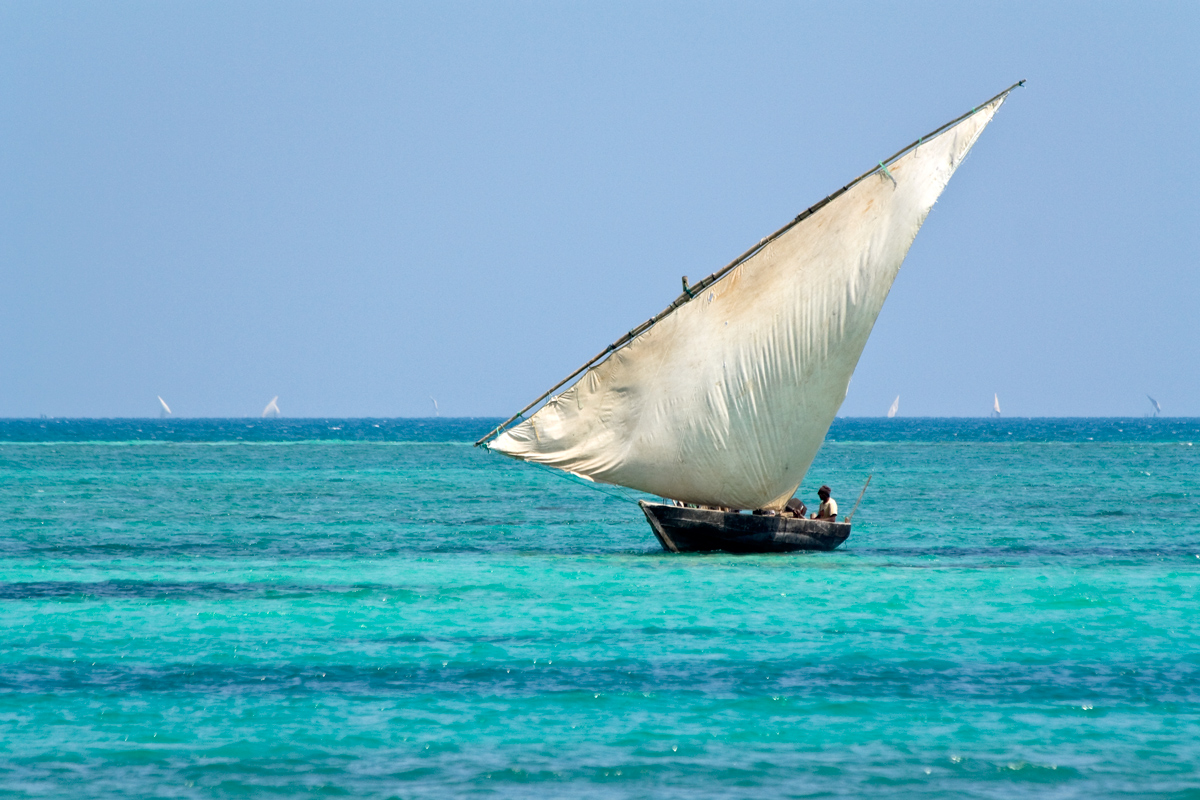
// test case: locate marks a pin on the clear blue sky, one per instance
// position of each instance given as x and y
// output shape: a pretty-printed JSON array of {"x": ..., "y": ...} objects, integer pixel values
[{"x": 356, "y": 206}]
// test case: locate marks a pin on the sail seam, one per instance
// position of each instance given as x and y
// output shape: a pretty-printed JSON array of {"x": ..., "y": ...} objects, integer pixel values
[{"x": 700, "y": 286}]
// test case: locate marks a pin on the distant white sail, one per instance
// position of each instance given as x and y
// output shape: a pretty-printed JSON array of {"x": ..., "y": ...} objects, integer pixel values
[
  {"x": 725, "y": 397},
  {"x": 272, "y": 409},
  {"x": 1157, "y": 407},
  {"x": 436, "y": 411},
  {"x": 895, "y": 407},
  {"x": 996, "y": 404},
  {"x": 166, "y": 409}
]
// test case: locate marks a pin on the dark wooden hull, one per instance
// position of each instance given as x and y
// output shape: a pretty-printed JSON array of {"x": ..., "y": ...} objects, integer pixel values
[{"x": 696, "y": 530}]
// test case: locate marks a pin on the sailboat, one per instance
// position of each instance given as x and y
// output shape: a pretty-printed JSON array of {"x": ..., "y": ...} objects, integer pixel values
[
  {"x": 166, "y": 409},
  {"x": 719, "y": 403},
  {"x": 894, "y": 407},
  {"x": 995, "y": 405},
  {"x": 272, "y": 409}
]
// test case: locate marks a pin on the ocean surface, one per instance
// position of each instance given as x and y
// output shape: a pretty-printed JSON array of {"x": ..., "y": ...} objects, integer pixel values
[{"x": 375, "y": 609}]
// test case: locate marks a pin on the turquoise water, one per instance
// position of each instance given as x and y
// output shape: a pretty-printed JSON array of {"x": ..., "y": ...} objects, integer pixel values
[{"x": 373, "y": 608}]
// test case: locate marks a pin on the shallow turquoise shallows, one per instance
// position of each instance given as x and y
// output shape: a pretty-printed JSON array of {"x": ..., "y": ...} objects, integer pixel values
[{"x": 374, "y": 608}]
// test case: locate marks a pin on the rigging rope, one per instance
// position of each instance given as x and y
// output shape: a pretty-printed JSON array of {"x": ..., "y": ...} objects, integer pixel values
[
  {"x": 624, "y": 496},
  {"x": 886, "y": 172}
]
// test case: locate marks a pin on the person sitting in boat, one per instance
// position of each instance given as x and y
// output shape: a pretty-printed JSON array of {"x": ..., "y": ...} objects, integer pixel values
[
  {"x": 828, "y": 510},
  {"x": 796, "y": 508}
]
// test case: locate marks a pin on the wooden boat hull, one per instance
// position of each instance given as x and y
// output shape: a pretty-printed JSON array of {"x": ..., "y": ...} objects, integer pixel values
[{"x": 697, "y": 530}]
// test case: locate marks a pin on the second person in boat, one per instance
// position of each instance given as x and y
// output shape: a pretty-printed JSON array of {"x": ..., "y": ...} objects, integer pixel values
[{"x": 828, "y": 509}]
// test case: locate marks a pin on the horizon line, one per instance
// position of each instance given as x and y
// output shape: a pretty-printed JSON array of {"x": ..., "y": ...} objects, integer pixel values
[{"x": 276, "y": 420}]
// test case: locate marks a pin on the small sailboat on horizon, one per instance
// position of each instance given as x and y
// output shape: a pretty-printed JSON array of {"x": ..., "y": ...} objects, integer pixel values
[
  {"x": 166, "y": 409},
  {"x": 272, "y": 409},
  {"x": 996, "y": 405},
  {"x": 894, "y": 408},
  {"x": 719, "y": 403}
]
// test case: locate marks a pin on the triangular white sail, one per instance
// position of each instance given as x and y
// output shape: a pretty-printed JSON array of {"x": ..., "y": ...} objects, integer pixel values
[
  {"x": 895, "y": 407},
  {"x": 996, "y": 404},
  {"x": 166, "y": 409},
  {"x": 725, "y": 398},
  {"x": 272, "y": 409}
]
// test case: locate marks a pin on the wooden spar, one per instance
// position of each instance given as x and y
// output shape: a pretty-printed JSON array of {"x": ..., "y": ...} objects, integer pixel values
[
  {"x": 698, "y": 288},
  {"x": 860, "y": 497}
]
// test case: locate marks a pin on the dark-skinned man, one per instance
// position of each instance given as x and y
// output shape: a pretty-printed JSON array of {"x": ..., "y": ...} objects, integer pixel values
[{"x": 828, "y": 510}]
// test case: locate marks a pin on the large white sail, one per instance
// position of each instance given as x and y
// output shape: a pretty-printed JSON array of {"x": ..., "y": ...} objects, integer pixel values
[
  {"x": 894, "y": 407},
  {"x": 725, "y": 399}
]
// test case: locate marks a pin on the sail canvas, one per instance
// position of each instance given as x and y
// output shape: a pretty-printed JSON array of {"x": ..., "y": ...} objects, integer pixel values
[{"x": 726, "y": 400}]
